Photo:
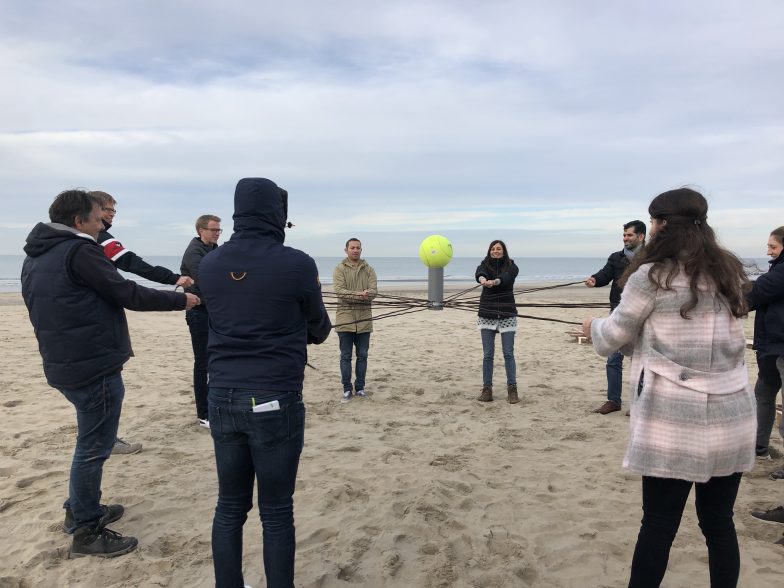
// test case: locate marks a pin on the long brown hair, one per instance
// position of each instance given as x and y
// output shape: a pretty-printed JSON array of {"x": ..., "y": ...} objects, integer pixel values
[{"x": 686, "y": 238}]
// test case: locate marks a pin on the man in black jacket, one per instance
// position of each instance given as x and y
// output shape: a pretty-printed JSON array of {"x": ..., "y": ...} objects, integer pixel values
[
  {"x": 633, "y": 240},
  {"x": 208, "y": 231},
  {"x": 265, "y": 306},
  {"x": 127, "y": 261},
  {"x": 75, "y": 298}
]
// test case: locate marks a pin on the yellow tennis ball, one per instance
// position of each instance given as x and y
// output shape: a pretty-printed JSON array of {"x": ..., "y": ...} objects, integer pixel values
[{"x": 435, "y": 251}]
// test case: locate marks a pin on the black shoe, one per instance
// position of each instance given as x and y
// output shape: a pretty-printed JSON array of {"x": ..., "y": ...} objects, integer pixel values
[
  {"x": 772, "y": 515},
  {"x": 111, "y": 513},
  {"x": 100, "y": 542}
]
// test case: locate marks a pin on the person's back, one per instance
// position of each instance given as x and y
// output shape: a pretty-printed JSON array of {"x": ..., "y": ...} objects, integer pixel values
[{"x": 264, "y": 345}]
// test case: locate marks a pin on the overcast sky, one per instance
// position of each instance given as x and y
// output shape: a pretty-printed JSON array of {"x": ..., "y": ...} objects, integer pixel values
[{"x": 548, "y": 124}]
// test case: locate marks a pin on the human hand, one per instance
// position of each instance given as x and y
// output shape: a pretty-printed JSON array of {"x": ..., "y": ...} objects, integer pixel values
[
  {"x": 590, "y": 282},
  {"x": 587, "y": 327},
  {"x": 185, "y": 281},
  {"x": 191, "y": 300}
]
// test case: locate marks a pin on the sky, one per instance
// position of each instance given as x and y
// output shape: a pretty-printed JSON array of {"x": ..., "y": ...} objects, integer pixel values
[{"x": 544, "y": 123}]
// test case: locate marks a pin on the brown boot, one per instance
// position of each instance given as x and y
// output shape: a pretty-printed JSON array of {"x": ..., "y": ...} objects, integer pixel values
[
  {"x": 512, "y": 390},
  {"x": 486, "y": 395}
]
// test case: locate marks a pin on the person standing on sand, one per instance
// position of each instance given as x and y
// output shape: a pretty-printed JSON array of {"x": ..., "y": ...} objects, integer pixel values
[
  {"x": 127, "y": 261},
  {"x": 75, "y": 298},
  {"x": 265, "y": 308},
  {"x": 208, "y": 231},
  {"x": 693, "y": 417},
  {"x": 355, "y": 285},
  {"x": 633, "y": 240},
  {"x": 497, "y": 314}
]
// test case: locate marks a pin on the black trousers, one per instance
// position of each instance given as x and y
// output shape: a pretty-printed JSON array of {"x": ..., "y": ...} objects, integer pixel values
[
  {"x": 663, "y": 501},
  {"x": 198, "y": 324}
]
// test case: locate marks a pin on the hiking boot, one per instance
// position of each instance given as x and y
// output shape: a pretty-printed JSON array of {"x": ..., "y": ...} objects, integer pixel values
[
  {"x": 122, "y": 447},
  {"x": 772, "y": 515},
  {"x": 608, "y": 407},
  {"x": 512, "y": 394},
  {"x": 100, "y": 542},
  {"x": 486, "y": 395},
  {"x": 111, "y": 513}
]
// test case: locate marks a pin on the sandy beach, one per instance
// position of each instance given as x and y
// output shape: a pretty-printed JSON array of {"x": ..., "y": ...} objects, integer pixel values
[{"x": 418, "y": 485}]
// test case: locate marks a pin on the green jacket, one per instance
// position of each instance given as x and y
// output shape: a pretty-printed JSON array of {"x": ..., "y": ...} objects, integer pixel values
[{"x": 349, "y": 282}]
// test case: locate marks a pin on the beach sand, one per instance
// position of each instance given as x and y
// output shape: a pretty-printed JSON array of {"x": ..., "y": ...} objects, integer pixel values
[{"x": 417, "y": 485}]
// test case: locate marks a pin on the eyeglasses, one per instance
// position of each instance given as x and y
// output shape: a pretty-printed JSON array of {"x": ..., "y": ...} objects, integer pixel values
[
  {"x": 218, "y": 231},
  {"x": 112, "y": 210}
]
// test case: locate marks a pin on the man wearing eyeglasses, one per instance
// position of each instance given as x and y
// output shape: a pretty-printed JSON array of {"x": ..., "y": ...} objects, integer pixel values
[
  {"x": 127, "y": 261},
  {"x": 208, "y": 230}
]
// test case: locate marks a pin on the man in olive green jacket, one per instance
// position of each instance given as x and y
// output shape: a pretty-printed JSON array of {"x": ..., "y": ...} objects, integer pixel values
[{"x": 354, "y": 283}]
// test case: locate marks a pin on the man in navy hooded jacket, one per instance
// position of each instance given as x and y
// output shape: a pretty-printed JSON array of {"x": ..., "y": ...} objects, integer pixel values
[{"x": 265, "y": 307}]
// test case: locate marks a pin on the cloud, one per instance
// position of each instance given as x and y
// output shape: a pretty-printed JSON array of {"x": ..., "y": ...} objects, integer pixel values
[{"x": 534, "y": 116}]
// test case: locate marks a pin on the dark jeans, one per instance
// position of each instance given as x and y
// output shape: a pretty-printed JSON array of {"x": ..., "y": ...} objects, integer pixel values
[
  {"x": 488, "y": 353},
  {"x": 615, "y": 376},
  {"x": 347, "y": 342},
  {"x": 770, "y": 373},
  {"x": 198, "y": 324},
  {"x": 98, "y": 406},
  {"x": 663, "y": 500},
  {"x": 262, "y": 447}
]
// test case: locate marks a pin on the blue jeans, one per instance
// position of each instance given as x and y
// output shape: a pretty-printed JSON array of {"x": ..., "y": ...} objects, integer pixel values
[
  {"x": 347, "y": 342},
  {"x": 663, "y": 501},
  {"x": 488, "y": 352},
  {"x": 98, "y": 406},
  {"x": 263, "y": 447},
  {"x": 615, "y": 377},
  {"x": 199, "y": 325}
]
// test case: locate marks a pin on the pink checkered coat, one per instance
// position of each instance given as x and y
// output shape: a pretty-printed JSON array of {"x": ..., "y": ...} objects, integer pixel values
[{"x": 693, "y": 414}]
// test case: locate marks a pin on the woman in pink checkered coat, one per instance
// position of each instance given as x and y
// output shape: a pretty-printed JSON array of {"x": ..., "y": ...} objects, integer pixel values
[{"x": 693, "y": 416}]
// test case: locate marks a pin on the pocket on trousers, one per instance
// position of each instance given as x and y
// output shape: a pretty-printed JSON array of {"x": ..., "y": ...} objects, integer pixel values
[{"x": 267, "y": 430}]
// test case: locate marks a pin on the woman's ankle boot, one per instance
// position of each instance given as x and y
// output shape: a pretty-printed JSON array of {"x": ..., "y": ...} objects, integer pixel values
[
  {"x": 512, "y": 397},
  {"x": 486, "y": 395}
]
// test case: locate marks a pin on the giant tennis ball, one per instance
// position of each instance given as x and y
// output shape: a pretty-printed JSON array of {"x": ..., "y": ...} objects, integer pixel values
[{"x": 435, "y": 251}]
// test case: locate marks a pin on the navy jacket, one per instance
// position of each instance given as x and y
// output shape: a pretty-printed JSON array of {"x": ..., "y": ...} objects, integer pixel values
[
  {"x": 75, "y": 298},
  {"x": 264, "y": 298},
  {"x": 611, "y": 272},
  {"x": 767, "y": 299}
]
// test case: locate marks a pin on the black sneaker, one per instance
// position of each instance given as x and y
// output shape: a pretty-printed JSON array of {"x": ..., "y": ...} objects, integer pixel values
[
  {"x": 772, "y": 515},
  {"x": 100, "y": 542},
  {"x": 111, "y": 513}
]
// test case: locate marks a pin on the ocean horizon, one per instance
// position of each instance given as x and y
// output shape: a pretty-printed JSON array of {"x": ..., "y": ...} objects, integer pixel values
[{"x": 389, "y": 270}]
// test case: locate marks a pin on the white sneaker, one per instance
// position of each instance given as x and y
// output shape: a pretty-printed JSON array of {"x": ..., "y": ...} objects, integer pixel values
[
  {"x": 346, "y": 396},
  {"x": 361, "y": 393},
  {"x": 204, "y": 423}
]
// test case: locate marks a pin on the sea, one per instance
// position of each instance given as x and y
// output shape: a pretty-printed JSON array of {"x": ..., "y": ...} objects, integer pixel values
[{"x": 389, "y": 270}]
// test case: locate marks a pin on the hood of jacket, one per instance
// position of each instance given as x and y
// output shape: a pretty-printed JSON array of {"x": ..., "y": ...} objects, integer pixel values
[
  {"x": 260, "y": 209},
  {"x": 44, "y": 236}
]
